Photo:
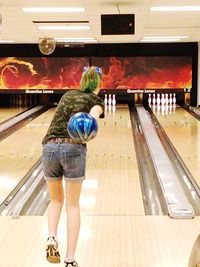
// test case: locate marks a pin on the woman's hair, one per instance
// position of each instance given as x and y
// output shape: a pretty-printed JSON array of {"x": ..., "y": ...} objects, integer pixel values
[{"x": 91, "y": 79}]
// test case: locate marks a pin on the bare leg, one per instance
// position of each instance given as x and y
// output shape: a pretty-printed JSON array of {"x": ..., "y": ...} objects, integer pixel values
[
  {"x": 73, "y": 190},
  {"x": 55, "y": 207}
]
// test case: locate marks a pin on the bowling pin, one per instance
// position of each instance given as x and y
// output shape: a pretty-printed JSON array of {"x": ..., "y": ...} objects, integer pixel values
[
  {"x": 170, "y": 99},
  {"x": 166, "y": 99},
  {"x": 105, "y": 100},
  {"x": 149, "y": 100},
  {"x": 154, "y": 99},
  {"x": 114, "y": 100},
  {"x": 154, "y": 108},
  {"x": 158, "y": 99},
  {"x": 109, "y": 100},
  {"x": 163, "y": 100},
  {"x": 174, "y": 99}
]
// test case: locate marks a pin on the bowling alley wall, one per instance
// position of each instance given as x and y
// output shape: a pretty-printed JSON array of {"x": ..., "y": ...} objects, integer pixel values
[{"x": 130, "y": 71}]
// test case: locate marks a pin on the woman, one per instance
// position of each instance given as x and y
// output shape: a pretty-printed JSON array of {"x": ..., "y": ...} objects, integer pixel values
[{"x": 62, "y": 157}]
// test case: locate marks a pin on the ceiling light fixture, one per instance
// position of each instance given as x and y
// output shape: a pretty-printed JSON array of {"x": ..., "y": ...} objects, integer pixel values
[
  {"x": 165, "y": 37},
  {"x": 160, "y": 40},
  {"x": 53, "y": 9},
  {"x": 175, "y": 8},
  {"x": 75, "y": 39},
  {"x": 57, "y": 28},
  {"x": 7, "y": 41}
]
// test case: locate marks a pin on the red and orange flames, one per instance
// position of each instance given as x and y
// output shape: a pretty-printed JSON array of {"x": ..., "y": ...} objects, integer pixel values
[
  {"x": 41, "y": 73},
  {"x": 146, "y": 72},
  {"x": 119, "y": 73}
]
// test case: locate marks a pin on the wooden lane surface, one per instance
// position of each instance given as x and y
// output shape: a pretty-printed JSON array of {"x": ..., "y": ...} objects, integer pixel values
[
  {"x": 133, "y": 241},
  {"x": 184, "y": 132},
  {"x": 110, "y": 237},
  {"x": 113, "y": 165},
  {"x": 7, "y": 113},
  {"x": 112, "y": 185},
  {"x": 19, "y": 151}
]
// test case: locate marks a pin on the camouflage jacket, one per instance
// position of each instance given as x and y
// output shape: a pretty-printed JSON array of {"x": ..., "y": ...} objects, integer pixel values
[{"x": 70, "y": 103}]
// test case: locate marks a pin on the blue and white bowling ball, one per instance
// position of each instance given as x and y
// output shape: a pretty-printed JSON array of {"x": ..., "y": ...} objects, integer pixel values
[{"x": 82, "y": 127}]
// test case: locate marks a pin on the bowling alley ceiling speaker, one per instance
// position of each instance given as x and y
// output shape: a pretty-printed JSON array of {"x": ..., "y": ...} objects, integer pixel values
[
  {"x": 114, "y": 24},
  {"x": 46, "y": 45}
]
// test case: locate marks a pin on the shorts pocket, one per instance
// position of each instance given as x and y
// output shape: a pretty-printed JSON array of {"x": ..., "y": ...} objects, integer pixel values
[{"x": 48, "y": 155}]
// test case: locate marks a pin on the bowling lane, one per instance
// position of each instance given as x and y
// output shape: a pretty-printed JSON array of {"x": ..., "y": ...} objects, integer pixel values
[
  {"x": 112, "y": 185},
  {"x": 134, "y": 240},
  {"x": 19, "y": 151},
  {"x": 7, "y": 113},
  {"x": 184, "y": 132}
]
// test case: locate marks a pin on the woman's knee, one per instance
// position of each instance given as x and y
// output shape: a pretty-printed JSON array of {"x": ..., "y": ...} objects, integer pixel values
[
  {"x": 72, "y": 203},
  {"x": 58, "y": 200},
  {"x": 73, "y": 194},
  {"x": 56, "y": 191}
]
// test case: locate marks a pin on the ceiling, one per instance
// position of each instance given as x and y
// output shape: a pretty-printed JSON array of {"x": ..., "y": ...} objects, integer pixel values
[{"x": 18, "y": 25}]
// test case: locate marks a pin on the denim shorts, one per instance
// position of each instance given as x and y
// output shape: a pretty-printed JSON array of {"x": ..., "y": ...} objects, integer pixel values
[{"x": 68, "y": 160}]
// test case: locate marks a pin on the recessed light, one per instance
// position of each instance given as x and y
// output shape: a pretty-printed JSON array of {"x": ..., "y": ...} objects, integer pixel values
[
  {"x": 175, "y": 8},
  {"x": 53, "y": 9},
  {"x": 159, "y": 40},
  {"x": 57, "y": 28},
  {"x": 7, "y": 41},
  {"x": 165, "y": 37},
  {"x": 75, "y": 39}
]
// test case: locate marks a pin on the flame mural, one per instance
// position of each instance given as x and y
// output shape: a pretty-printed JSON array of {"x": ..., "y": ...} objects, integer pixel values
[
  {"x": 145, "y": 72},
  {"x": 41, "y": 72},
  {"x": 119, "y": 72}
]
